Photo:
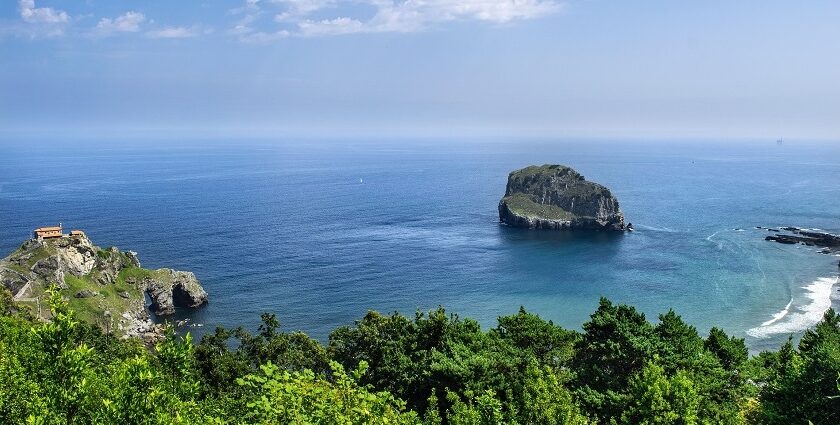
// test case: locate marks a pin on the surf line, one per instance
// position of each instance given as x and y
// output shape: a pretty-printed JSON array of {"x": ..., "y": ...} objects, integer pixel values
[
  {"x": 778, "y": 316},
  {"x": 817, "y": 300}
]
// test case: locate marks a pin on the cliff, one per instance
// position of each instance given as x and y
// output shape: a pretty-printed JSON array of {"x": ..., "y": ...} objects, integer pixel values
[
  {"x": 104, "y": 286},
  {"x": 558, "y": 197}
]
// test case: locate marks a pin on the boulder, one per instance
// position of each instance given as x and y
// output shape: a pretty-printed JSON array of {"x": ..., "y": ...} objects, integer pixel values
[{"x": 85, "y": 293}]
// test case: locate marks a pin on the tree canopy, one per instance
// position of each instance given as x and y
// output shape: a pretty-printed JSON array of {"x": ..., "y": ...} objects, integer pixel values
[{"x": 434, "y": 368}]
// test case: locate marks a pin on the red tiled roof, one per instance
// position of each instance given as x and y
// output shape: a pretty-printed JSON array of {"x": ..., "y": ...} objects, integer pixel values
[{"x": 48, "y": 229}]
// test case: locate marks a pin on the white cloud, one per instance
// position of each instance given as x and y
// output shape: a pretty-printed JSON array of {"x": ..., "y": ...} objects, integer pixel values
[
  {"x": 297, "y": 9},
  {"x": 335, "y": 26},
  {"x": 44, "y": 15},
  {"x": 127, "y": 22},
  {"x": 250, "y": 12},
  {"x": 312, "y": 17},
  {"x": 263, "y": 37},
  {"x": 172, "y": 32}
]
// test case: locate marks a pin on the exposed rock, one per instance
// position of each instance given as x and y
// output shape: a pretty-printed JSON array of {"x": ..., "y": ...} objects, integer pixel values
[
  {"x": 77, "y": 253},
  {"x": 124, "y": 294},
  {"x": 171, "y": 288},
  {"x": 106, "y": 276},
  {"x": 51, "y": 269},
  {"x": 85, "y": 293},
  {"x": 827, "y": 241},
  {"x": 558, "y": 197},
  {"x": 14, "y": 280},
  {"x": 132, "y": 258},
  {"x": 787, "y": 240}
]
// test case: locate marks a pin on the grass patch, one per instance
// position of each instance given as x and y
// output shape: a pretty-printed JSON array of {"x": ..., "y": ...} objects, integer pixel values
[
  {"x": 92, "y": 309},
  {"x": 137, "y": 273},
  {"x": 18, "y": 268},
  {"x": 523, "y": 205},
  {"x": 38, "y": 255}
]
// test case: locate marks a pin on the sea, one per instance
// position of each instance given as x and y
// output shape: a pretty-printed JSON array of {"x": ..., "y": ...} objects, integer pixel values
[{"x": 319, "y": 232}]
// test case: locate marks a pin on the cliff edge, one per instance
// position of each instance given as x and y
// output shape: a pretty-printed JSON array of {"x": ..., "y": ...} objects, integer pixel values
[{"x": 557, "y": 197}]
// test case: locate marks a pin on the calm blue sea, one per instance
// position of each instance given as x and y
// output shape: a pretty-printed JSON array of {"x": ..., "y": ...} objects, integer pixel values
[{"x": 320, "y": 232}]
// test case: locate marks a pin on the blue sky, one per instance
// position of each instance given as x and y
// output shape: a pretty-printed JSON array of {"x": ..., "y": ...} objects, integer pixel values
[{"x": 543, "y": 68}]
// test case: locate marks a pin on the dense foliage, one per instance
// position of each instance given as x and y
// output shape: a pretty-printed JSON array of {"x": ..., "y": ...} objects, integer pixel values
[{"x": 435, "y": 368}]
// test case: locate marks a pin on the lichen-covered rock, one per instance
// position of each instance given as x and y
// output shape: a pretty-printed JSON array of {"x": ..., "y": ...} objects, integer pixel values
[
  {"x": 51, "y": 269},
  {"x": 558, "y": 197}
]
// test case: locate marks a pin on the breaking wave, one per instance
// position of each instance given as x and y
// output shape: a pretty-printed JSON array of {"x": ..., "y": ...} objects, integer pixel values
[{"x": 818, "y": 300}]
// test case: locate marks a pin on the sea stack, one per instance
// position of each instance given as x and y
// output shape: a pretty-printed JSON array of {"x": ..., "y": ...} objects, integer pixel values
[{"x": 556, "y": 197}]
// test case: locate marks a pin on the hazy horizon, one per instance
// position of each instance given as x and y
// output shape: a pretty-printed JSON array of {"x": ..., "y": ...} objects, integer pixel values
[{"x": 757, "y": 70}]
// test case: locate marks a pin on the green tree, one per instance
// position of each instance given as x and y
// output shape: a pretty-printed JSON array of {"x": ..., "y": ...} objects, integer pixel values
[
  {"x": 617, "y": 343},
  {"x": 657, "y": 399},
  {"x": 280, "y": 397},
  {"x": 545, "y": 399},
  {"x": 483, "y": 409},
  {"x": 804, "y": 382},
  {"x": 732, "y": 352},
  {"x": 62, "y": 364}
]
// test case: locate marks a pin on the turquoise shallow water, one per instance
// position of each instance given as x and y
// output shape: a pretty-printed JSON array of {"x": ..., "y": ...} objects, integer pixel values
[{"x": 320, "y": 232}]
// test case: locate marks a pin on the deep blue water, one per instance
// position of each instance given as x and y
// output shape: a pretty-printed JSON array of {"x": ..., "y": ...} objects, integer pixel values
[{"x": 319, "y": 233}]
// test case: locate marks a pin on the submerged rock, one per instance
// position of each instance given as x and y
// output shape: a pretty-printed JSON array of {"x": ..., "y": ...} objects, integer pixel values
[
  {"x": 827, "y": 241},
  {"x": 558, "y": 197}
]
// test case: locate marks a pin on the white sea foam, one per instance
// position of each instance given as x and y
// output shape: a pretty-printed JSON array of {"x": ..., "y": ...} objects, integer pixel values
[
  {"x": 778, "y": 316},
  {"x": 806, "y": 313}
]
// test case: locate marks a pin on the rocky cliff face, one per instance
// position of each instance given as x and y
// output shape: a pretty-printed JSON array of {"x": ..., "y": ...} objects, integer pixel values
[
  {"x": 105, "y": 286},
  {"x": 171, "y": 288},
  {"x": 558, "y": 197}
]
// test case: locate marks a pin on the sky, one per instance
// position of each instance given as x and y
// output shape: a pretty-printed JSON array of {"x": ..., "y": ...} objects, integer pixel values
[{"x": 415, "y": 68}]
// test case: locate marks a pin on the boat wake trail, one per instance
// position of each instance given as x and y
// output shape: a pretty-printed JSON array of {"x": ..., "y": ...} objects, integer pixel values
[
  {"x": 804, "y": 314},
  {"x": 654, "y": 228}
]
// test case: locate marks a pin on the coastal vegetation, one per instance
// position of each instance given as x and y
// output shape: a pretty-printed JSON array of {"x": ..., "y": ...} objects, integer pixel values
[{"x": 432, "y": 368}]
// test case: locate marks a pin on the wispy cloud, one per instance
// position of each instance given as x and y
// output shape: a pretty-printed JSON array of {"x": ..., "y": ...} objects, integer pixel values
[
  {"x": 127, "y": 22},
  {"x": 310, "y": 18},
  {"x": 173, "y": 32},
  {"x": 270, "y": 20}
]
